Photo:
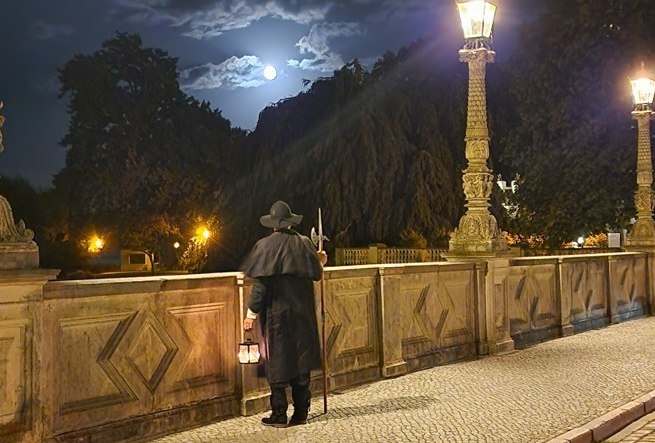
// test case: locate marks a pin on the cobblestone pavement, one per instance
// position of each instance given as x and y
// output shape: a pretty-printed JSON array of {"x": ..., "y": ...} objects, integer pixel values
[
  {"x": 641, "y": 431},
  {"x": 531, "y": 395}
]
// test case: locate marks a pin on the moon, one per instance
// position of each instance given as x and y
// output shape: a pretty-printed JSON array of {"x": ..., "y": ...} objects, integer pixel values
[{"x": 270, "y": 73}]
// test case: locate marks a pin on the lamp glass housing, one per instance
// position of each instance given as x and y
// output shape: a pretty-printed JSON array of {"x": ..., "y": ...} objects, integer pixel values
[
  {"x": 248, "y": 353},
  {"x": 643, "y": 90},
  {"x": 477, "y": 18}
]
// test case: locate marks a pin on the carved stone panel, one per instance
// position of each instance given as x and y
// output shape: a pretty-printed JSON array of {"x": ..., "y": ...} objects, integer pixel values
[
  {"x": 204, "y": 328},
  {"x": 584, "y": 285},
  {"x": 87, "y": 375},
  {"x": 14, "y": 371},
  {"x": 628, "y": 290},
  {"x": 351, "y": 323},
  {"x": 437, "y": 311},
  {"x": 532, "y": 298}
]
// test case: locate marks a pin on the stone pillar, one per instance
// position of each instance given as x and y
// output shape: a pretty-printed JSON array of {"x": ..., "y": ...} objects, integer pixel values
[
  {"x": 642, "y": 234},
  {"x": 478, "y": 230}
]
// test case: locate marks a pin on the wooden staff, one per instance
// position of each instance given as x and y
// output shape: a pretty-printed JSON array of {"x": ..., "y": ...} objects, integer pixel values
[{"x": 318, "y": 240}]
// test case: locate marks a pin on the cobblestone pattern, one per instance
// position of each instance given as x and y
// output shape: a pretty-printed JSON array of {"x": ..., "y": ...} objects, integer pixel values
[
  {"x": 642, "y": 431},
  {"x": 531, "y": 395}
]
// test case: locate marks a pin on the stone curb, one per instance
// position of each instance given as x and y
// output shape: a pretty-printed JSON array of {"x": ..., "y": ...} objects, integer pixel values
[{"x": 609, "y": 424}]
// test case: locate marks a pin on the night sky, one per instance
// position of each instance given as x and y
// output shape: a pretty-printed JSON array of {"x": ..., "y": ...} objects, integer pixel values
[{"x": 222, "y": 47}]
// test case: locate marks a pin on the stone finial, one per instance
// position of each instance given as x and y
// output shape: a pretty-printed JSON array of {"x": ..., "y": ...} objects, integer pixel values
[{"x": 9, "y": 231}]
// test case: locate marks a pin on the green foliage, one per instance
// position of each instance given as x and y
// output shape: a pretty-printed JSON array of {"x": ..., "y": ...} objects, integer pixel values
[
  {"x": 141, "y": 155},
  {"x": 572, "y": 139},
  {"x": 412, "y": 239},
  {"x": 379, "y": 152}
]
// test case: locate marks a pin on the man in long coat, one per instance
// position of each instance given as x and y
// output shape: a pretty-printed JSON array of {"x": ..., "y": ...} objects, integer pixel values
[{"x": 284, "y": 266}]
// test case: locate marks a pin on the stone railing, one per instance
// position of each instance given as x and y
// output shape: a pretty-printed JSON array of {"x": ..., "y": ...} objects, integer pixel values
[
  {"x": 122, "y": 359},
  {"x": 384, "y": 255}
]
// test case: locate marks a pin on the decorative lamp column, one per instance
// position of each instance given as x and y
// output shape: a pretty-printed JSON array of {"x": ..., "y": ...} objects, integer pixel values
[
  {"x": 643, "y": 231},
  {"x": 478, "y": 229}
]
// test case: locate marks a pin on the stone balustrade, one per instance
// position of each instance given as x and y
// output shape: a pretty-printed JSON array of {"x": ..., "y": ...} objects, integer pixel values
[{"x": 121, "y": 359}]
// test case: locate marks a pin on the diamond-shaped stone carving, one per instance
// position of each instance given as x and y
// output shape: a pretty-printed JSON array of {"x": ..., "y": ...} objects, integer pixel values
[{"x": 151, "y": 353}]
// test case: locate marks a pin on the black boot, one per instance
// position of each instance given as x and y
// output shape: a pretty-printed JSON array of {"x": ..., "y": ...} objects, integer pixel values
[
  {"x": 279, "y": 407},
  {"x": 301, "y": 402}
]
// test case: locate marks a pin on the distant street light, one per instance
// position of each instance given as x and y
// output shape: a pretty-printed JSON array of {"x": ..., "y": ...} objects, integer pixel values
[
  {"x": 202, "y": 234},
  {"x": 176, "y": 245},
  {"x": 95, "y": 244},
  {"x": 642, "y": 233},
  {"x": 478, "y": 230}
]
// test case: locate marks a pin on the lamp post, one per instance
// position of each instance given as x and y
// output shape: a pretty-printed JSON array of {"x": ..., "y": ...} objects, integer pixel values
[
  {"x": 478, "y": 229},
  {"x": 642, "y": 233}
]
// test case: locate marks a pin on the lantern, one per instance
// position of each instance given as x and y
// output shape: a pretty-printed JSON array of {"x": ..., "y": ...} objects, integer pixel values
[
  {"x": 248, "y": 352},
  {"x": 477, "y": 18},
  {"x": 643, "y": 89}
]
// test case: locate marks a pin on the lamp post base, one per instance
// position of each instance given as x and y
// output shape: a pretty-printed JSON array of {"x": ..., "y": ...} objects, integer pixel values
[
  {"x": 642, "y": 235},
  {"x": 477, "y": 233}
]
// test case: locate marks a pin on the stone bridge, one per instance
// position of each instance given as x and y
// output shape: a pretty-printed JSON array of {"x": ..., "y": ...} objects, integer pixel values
[{"x": 121, "y": 359}]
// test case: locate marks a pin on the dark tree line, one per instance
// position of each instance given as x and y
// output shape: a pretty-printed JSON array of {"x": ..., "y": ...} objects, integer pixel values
[{"x": 380, "y": 151}]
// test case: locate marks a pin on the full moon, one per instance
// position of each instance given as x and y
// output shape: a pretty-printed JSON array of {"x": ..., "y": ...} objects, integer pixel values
[{"x": 270, "y": 72}]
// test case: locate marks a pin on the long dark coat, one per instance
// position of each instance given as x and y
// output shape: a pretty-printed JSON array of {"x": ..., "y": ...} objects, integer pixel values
[{"x": 284, "y": 266}]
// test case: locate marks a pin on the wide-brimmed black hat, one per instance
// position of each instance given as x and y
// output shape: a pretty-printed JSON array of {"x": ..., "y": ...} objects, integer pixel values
[{"x": 280, "y": 216}]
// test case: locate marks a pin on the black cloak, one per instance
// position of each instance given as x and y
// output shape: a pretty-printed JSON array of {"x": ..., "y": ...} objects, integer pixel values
[{"x": 284, "y": 266}]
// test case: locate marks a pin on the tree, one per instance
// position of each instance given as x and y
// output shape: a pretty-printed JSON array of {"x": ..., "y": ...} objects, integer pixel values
[
  {"x": 141, "y": 154},
  {"x": 381, "y": 152},
  {"x": 573, "y": 142}
]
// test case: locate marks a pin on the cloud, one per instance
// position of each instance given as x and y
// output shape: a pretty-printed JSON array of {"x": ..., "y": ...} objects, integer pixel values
[
  {"x": 322, "y": 57},
  {"x": 41, "y": 30},
  {"x": 210, "y": 18},
  {"x": 235, "y": 72}
]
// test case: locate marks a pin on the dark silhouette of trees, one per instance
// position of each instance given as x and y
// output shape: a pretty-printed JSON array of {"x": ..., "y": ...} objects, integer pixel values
[
  {"x": 380, "y": 151},
  {"x": 141, "y": 155},
  {"x": 573, "y": 142}
]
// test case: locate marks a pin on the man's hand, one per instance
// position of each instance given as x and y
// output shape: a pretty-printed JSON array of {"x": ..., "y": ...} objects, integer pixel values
[
  {"x": 322, "y": 257},
  {"x": 248, "y": 324}
]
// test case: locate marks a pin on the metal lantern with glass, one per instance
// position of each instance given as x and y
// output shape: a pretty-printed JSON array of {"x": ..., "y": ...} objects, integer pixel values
[
  {"x": 478, "y": 231},
  {"x": 248, "y": 352},
  {"x": 642, "y": 233}
]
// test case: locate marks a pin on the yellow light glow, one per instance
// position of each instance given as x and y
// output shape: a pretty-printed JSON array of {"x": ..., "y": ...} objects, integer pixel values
[
  {"x": 477, "y": 18},
  {"x": 176, "y": 245},
  {"x": 202, "y": 234},
  {"x": 95, "y": 244},
  {"x": 643, "y": 90}
]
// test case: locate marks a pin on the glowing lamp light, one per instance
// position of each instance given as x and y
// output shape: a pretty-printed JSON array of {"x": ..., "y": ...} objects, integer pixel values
[
  {"x": 643, "y": 89},
  {"x": 580, "y": 241},
  {"x": 203, "y": 234},
  {"x": 248, "y": 352},
  {"x": 477, "y": 18},
  {"x": 176, "y": 245},
  {"x": 95, "y": 244}
]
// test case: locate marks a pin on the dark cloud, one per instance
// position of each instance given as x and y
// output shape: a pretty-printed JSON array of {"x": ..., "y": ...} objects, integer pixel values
[
  {"x": 211, "y": 18},
  {"x": 235, "y": 72},
  {"x": 315, "y": 44},
  {"x": 41, "y": 30}
]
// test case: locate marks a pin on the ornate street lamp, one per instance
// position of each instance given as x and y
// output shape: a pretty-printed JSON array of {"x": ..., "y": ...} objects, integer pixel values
[
  {"x": 643, "y": 231},
  {"x": 478, "y": 230}
]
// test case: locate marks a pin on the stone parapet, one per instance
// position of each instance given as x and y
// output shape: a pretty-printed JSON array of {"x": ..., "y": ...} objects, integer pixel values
[{"x": 110, "y": 360}]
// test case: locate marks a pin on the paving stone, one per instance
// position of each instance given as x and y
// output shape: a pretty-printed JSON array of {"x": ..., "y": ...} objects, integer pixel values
[{"x": 533, "y": 395}]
